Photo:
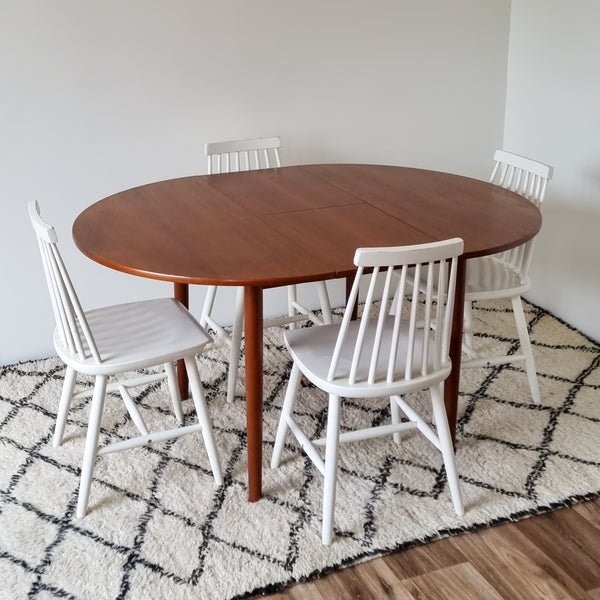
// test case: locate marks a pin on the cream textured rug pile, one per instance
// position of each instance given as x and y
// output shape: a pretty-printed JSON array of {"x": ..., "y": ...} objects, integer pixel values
[{"x": 158, "y": 528}]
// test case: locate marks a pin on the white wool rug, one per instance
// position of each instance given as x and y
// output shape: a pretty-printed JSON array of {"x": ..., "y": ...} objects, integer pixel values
[{"x": 157, "y": 527}]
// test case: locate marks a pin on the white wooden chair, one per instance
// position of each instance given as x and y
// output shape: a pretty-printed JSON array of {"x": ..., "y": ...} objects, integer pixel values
[
  {"x": 384, "y": 353},
  {"x": 114, "y": 340},
  {"x": 506, "y": 275},
  {"x": 243, "y": 155},
  {"x": 247, "y": 155}
]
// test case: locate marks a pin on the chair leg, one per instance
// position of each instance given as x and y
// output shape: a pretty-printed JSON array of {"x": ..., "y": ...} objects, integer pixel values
[
  {"x": 174, "y": 391},
  {"x": 209, "y": 301},
  {"x": 523, "y": 332},
  {"x": 203, "y": 418},
  {"x": 468, "y": 324},
  {"x": 91, "y": 444},
  {"x": 64, "y": 405},
  {"x": 446, "y": 446},
  {"x": 291, "y": 394},
  {"x": 324, "y": 301},
  {"x": 292, "y": 291},
  {"x": 331, "y": 460},
  {"x": 396, "y": 414},
  {"x": 236, "y": 344}
]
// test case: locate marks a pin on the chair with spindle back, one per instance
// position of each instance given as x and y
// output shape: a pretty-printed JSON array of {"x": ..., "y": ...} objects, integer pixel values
[
  {"x": 249, "y": 155},
  {"x": 114, "y": 340},
  {"x": 396, "y": 348},
  {"x": 506, "y": 275}
]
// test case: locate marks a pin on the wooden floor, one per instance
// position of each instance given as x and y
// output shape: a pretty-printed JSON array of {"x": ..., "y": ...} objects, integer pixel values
[{"x": 547, "y": 557}]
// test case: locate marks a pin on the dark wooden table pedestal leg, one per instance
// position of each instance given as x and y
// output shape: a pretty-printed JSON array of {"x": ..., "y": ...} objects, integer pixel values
[
  {"x": 253, "y": 319},
  {"x": 451, "y": 386},
  {"x": 182, "y": 293}
]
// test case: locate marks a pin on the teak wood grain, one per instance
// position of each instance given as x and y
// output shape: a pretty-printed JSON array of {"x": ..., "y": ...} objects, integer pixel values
[
  {"x": 281, "y": 226},
  {"x": 275, "y": 227}
]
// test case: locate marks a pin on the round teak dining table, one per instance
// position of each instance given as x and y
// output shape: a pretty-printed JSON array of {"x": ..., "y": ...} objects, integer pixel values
[{"x": 289, "y": 225}]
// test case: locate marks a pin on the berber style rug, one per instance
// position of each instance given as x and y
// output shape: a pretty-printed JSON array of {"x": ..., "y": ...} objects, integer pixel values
[{"x": 157, "y": 527}]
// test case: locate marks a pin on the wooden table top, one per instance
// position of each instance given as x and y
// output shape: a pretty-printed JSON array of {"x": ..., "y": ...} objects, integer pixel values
[{"x": 293, "y": 224}]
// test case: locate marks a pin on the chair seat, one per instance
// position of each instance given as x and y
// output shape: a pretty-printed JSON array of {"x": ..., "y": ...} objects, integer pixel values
[
  {"x": 313, "y": 347},
  {"x": 133, "y": 335},
  {"x": 488, "y": 276}
]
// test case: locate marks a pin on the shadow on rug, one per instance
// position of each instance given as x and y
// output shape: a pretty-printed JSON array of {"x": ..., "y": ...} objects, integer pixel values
[{"x": 157, "y": 527}]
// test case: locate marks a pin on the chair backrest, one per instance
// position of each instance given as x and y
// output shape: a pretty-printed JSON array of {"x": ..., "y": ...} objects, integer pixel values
[
  {"x": 72, "y": 326},
  {"x": 524, "y": 176},
  {"x": 243, "y": 155},
  {"x": 412, "y": 341},
  {"x": 528, "y": 178}
]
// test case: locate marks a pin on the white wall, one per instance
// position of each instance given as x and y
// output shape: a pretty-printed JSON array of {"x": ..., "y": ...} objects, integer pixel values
[
  {"x": 104, "y": 95},
  {"x": 553, "y": 115}
]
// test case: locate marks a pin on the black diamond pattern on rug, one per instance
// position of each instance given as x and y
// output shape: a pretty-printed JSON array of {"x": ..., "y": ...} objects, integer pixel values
[{"x": 157, "y": 527}]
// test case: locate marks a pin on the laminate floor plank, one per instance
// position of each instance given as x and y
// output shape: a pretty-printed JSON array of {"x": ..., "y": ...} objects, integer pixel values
[
  {"x": 460, "y": 581},
  {"x": 379, "y": 581},
  {"x": 343, "y": 585},
  {"x": 304, "y": 591},
  {"x": 516, "y": 567},
  {"x": 590, "y": 511},
  {"x": 439, "y": 554},
  {"x": 570, "y": 541}
]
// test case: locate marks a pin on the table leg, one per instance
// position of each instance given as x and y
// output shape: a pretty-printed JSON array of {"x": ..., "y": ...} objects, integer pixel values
[
  {"x": 452, "y": 383},
  {"x": 182, "y": 293},
  {"x": 253, "y": 329}
]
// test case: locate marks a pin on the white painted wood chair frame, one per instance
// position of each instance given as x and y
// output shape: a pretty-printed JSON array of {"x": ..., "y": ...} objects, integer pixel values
[
  {"x": 243, "y": 155},
  {"x": 75, "y": 340},
  {"x": 247, "y": 155},
  {"x": 506, "y": 275},
  {"x": 383, "y": 353}
]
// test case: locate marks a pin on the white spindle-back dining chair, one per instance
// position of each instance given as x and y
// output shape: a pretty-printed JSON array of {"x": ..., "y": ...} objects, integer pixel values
[
  {"x": 248, "y": 155},
  {"x": 386, "y": 352},
  {"x": 506, "y": 275},
  {"x": 243, "y": 155},
  {"x": 111, "y": 341}
]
